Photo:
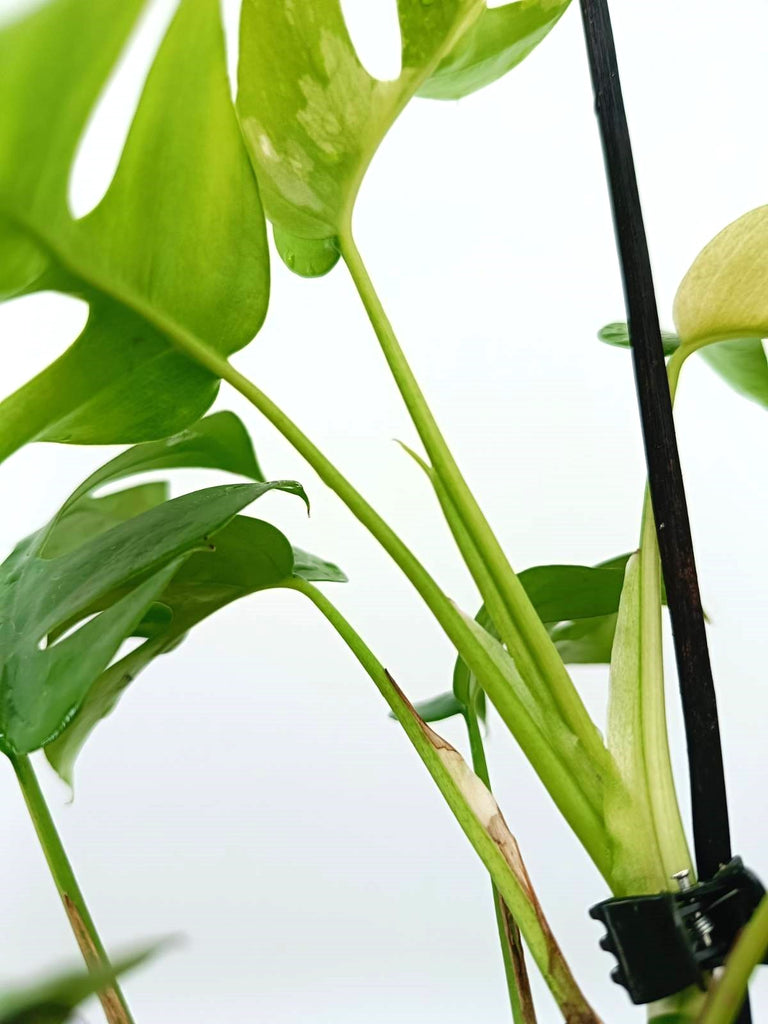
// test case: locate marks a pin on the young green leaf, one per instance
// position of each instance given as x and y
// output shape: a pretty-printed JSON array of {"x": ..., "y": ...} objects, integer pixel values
[
  {"x": 499, "y": 40},
  {"x": 248, "y": 555},
  {"x": 618, "y": 334},
  {"x": 313, "y": 117},
  {"x": 164, "y": 257},
  {"x": 131, "y": 563},
  {"x": 53, "y": 1001},
  {"x": 436, "y": 709},
  {"x": 725, "y": 293},
  {"x": 741, "y": 362}
]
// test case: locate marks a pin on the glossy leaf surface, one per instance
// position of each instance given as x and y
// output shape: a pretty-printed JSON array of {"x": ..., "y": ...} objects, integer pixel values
[
  {"x": 499, "y": 40},
  {"x": 175, "y": 249},
  {"x": 617, "y": 334},
  {"x": 248, "y": 555},
  {"x": 42, "y": 688}
]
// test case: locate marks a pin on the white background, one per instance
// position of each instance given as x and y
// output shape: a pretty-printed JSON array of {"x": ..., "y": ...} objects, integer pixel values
[{"x": 251, "y": 794}]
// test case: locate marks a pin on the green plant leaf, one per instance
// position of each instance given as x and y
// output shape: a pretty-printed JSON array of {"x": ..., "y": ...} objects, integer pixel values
[
  {"x": 445, "y": 705},
  {"x": 307, "y": 257},
  {"x": 248, "y": 556},
  {"x": 741, "y": 362},
  {"x": 499, "y": 40},
  {"x": 54, "y": 1000},
  {"x": 725, "y": 293},
  {"x": 164, "y": 256},
  {"x": 218, "y": 442},
  {"x": 618, "y": 334},
  {"x": 134, "y": 561},
  {"x": 313, "y": 117}
]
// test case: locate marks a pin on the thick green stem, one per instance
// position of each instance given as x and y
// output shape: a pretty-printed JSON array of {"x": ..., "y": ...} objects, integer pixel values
[
  {"x": 558, "y": 780},
  {"x": 513, "y": 955},
  {"x": 532, "y": 649},
  {"x": 727, "y": 994},
  {"x": 95, "y": 955},
  {"x": 473, "y": 813}
]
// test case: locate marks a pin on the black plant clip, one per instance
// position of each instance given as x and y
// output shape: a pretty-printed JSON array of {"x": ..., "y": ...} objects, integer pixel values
[{"x": 665, "y": 943}]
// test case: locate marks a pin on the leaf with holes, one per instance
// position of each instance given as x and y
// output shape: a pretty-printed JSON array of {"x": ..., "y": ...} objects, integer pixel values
[
  {"x": 46, "y": 676},
  {"x": 500, "y": 39},
  {"x": 162, "y": 258},
  {"x": 313, "y": 117}
]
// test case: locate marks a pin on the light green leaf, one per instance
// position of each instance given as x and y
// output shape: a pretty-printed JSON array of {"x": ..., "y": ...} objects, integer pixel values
[
  {"x": 177, "y": 247},
  {"x": 307, "y": 257},
  {"x": 499, "y": 40},
  {"x": 313, "y": 117},
  {"x": 741, "y": 362},
  {"x": 133, "y": 562},
  {"x": 54, "y": 1000},
  {"x": 248, "y": 555},
  {"x": 743, "y": 365},
  {"x": 725, "y": 293}
]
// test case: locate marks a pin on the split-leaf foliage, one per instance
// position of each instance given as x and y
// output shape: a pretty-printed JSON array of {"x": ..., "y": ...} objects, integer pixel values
[{"x": 173, "y": 265}]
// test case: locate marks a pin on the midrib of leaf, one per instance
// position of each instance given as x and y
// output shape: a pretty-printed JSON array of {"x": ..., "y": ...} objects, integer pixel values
[{"x": 187, "y": 341}]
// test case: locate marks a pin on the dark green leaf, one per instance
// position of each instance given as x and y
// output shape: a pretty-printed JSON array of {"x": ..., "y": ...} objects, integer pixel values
[
  {"x": 499, "y": 40},
  {"x": 175, "y": 250},
  {"x": 248, "y": 556},
  {"x": 54, "y": 1001},
  {"x": 40, "y": 689},
  {"x": 618, "y": 334},
  {"x": 446, "y": 705},
  {"x": 585, "y": 641}
]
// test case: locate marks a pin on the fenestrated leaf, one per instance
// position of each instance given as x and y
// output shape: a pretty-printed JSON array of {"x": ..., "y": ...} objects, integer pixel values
[
  {"x": 313, "y": 117},
  {"x": 54, "y": 1000},
  {"x": 248, "y": 555},
  {"x": 40, "y": 689},
  {"x": 175, "y": 250},
  {"x": 499, "y": 40}
]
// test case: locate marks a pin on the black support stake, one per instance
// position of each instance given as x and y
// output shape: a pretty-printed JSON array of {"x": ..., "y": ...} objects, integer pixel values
[{"x": 710, "y": 807}]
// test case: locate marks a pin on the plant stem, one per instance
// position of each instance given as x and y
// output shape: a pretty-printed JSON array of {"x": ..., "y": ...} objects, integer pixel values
[
  {"x": 95, "y": 955},
  {"x": 512, "y": 952},
  {"x": 557, "y": 778},
  {"x": 533, "y": 651},
  {"x": 727, "y": 995},
  {"x": 454, "y": 780}
]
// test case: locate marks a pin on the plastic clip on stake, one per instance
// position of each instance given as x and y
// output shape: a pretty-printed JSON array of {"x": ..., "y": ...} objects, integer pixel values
[{"x": 667, "y": 942}]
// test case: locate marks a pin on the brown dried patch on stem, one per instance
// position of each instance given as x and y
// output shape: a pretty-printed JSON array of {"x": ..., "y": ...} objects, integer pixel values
[
  {"x": 517, "y": 958},
  {"x": 575, "y": 1008},
  {"x": 110, "y": 1002}
]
